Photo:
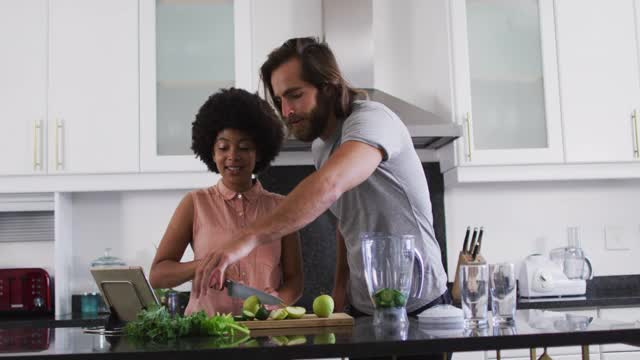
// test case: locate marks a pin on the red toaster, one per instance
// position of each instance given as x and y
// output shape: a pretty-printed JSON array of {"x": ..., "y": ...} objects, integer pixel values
[{"x": 25, "y": 290}]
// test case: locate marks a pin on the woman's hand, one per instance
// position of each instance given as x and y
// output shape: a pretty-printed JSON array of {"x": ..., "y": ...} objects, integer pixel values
[{"x": 272, "y": 292}]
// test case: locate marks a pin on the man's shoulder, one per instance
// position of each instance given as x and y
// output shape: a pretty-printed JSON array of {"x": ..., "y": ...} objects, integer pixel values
[{"x": 369, "y": 109}]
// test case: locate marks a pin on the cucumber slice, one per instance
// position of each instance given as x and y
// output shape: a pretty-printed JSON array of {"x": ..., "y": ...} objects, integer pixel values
[
  {"x": 248, "y": 315},
  {"x": 262, "y": 313}
]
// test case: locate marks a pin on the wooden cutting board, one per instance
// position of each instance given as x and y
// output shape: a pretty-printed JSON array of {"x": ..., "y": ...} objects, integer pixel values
[{"x": 308, "y": 320}]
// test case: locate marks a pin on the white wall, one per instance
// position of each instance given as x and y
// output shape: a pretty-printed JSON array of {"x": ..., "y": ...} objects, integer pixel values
[
  {"x": 27, "y": 254},
  {"x": 524, "y": 218},
  {"x": 131, "y": 223}
]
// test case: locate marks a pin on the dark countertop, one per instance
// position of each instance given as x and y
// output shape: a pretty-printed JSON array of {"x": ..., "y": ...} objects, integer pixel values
[
  {"x": 66, "y": 320},
  {"x": 602, "y": 291},
  {"x": 533, "y": 328}
]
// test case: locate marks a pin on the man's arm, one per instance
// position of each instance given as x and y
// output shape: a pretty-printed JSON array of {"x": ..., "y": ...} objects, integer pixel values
[
  {"x": 339, "y": 293},
  {"x": 351, "y": 164}
]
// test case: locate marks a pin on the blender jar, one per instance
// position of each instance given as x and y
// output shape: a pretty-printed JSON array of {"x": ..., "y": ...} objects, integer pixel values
[{"x": 388, "y": 265}]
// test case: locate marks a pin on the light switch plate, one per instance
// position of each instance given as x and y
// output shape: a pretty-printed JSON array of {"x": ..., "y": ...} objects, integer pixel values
[{"x": 615, "y": 238}]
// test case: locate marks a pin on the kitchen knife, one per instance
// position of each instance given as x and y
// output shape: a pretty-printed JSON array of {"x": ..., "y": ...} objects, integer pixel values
[
  {"x": 473, "y": 240},
  {"x": 240, "y": 291},
  {"x": 476, "y": 250},
  {"x": 466, "y": 241}
]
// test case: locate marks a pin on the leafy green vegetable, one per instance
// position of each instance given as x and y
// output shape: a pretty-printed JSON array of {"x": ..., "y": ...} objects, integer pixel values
[
  {"x": 388, "y": 298},
  {"x": 157, "y": 325}
]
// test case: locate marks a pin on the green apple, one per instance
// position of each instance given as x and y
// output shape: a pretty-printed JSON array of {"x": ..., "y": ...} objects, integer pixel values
[{"x": 323, "y": 306}]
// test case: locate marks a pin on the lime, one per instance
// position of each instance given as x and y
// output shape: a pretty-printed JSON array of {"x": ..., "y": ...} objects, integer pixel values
[
  {"x": 278, "y": 314},
  {"x": 252, "y": 304},
  {"x": 323, "y": 306},
  {"x": 399, "y": 300},
  {"x": 262, "y": 313},
  {"x": 387, "y": 298},
  {"x": 295, "y": 312},
  {"x": 386, "y": 295}
]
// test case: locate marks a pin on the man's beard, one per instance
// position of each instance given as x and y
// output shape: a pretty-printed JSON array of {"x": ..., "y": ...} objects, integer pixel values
[{"x": 313, "y": 123}]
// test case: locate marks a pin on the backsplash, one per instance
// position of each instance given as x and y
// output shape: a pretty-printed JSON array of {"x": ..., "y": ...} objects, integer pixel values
[{"x": 525, "y": 218}]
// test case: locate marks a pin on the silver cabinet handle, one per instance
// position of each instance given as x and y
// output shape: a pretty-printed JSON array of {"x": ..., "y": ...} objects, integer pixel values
[
  {"x": 37, "y": 145},
  {"x": 636, "y": 149},
  {"x": 468, "y": 123},
  {"x": 59, "y": 143}
]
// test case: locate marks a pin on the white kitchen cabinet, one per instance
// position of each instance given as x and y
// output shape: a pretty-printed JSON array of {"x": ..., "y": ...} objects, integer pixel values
[
  {"x": 621, "y": 356},
  {"x": 221, "y": 43},
  {"x": 505, "y": 82},
  {"x": 69, "y": 89},
  {"x": 93, "y": 86},
  {"x": 469, "y": 355},
  {"x": 188, "y": 51},
  {"x": 599, "y": 79},
  {"x": 629, "y": 314},
  {"x": 23, "y": 90},
  {"x": 560, "y": 352}
]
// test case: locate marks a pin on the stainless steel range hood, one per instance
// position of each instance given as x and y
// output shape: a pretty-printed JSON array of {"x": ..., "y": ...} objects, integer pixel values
[{"x": 348, "y": 28}]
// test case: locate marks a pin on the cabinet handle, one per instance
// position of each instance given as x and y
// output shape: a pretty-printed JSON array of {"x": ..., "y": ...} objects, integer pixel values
[
  {"x": 636, "y": 149},
  {"x": 59, "y": 135},
  {"x": 37, "y": 139},
  {"x": 468, "y": 123}
]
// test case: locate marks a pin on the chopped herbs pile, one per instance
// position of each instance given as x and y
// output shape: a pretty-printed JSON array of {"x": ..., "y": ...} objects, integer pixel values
[{"x": 157, "y": 325}]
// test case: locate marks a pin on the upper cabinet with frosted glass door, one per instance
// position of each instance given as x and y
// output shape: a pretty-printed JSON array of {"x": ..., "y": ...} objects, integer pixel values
[
  {"x": 188, "y": 50},
  {"x": 506, "y": 82}
]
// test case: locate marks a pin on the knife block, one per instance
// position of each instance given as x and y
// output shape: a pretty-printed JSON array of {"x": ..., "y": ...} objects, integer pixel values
[{"x": 463, "y": 259}]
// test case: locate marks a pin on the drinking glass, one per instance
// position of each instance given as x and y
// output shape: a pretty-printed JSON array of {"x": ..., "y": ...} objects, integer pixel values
[
  {"x": 503, "y": 293},
  {"x": 388, "y": 267},
  {"x": 474, "y": 283}
]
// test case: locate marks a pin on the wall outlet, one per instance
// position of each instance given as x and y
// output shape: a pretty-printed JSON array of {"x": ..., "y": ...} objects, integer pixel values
[{"x": 615, "y": 239}]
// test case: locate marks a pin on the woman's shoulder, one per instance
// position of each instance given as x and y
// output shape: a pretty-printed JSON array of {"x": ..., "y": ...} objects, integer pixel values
[{"x": 202, "y": 193}]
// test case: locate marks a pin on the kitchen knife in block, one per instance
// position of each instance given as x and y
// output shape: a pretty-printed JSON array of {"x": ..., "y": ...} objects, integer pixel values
[{"x": 463, "y": 259}]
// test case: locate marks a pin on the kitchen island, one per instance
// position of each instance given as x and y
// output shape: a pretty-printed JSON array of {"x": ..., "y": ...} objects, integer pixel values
[{"x": 533, "y": 328}]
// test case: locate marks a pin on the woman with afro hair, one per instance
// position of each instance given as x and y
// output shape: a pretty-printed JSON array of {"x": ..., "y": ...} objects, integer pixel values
[{"x": 236, "y": 134}]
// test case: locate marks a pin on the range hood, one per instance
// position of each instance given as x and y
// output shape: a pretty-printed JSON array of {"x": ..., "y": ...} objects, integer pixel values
[
  {"x": 348, "y": 29},
  {"x": 428, "y": 131}
]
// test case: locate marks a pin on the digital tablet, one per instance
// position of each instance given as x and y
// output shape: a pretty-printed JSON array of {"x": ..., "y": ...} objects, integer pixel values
[{"x": 124, "y": 290}]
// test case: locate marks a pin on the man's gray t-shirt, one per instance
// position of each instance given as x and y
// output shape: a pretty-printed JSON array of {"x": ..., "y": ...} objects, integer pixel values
[{"x": 394, "y": 199}]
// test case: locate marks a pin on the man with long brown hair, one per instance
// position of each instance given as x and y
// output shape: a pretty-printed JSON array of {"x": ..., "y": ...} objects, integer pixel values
[{"x": 368, "y": 174}]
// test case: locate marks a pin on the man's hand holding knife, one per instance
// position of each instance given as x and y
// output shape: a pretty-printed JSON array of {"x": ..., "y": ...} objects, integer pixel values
[{"x": 210, "y": 272}]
